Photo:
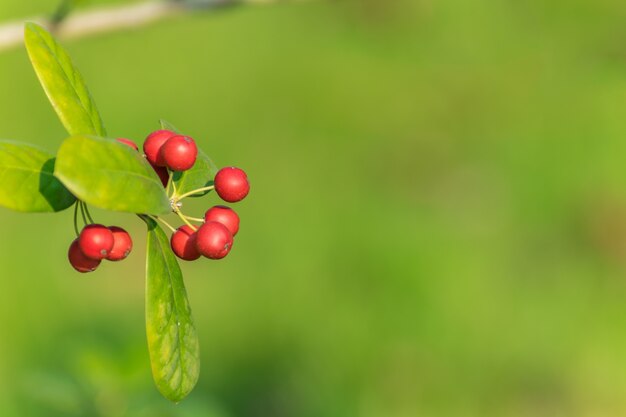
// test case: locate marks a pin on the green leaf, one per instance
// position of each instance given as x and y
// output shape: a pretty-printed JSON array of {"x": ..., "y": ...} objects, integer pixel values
[
  {"x": 26, "y": 180},
  {"x": 110, "y": 175},
  {"x": 168, "y": 126},
  {"x": 62, "y": 83},
  {"x": 172, "y": 337},
  {"x": 200, "y": 175}
]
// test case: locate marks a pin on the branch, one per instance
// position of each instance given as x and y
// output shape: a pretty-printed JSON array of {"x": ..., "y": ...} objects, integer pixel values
[{"x": 112, "y": 18}]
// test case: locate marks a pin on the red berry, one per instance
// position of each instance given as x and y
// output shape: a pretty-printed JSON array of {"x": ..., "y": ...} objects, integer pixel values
[
  {"x": 129, "y": 143},
  {"x": 179, "y": 153},
  {"x": 225, "y": 215},
  {"x": 214, "y": 240},
  {"x": 79, "y": 261},
  {"x": 183, "y": 243},
  {"x": 96, "y": 241},
  {"x": 153, "y": 144},
  {"x": 232, "y": 184},
  {"x": 163, "y": 174},
  {"x": 122, "y": 244}
]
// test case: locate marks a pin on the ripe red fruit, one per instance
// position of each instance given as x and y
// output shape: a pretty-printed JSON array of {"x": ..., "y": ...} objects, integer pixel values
[
  {"x": 225, "y": 215},
  {"x": 129, "y": 143},
  {"x": 179, "y": 153},
  {"x": 153, "y": 144},
  {"x": 232, "y": 184},
  {"x": 122, "y": 244},
  {"x": 183, "y": 243},
  {"x": 96, "y": 241},
  {"x": 214, "y": 240},
  {"x": 79, "y": 261}
]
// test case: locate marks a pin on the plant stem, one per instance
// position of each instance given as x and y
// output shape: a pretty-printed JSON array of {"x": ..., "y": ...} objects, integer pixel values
[
  {"x": 87, "y": 212},
  {"x": 170, "y": 181},
  {"x": 82, "y": 212},
  {"x": 194, "y": 219},
  {"x": 184, "y": 219},
  {"x": 199, "y": 190},
  {"x": 169, "y": 226},
  {"x": 173, "y": 186},
  {"x": 76, "y": 217}
]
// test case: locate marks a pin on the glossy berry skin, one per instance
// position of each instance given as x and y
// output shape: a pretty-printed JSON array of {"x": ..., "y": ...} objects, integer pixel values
[
  {"x": 225, "y": 215},
  {"x": 96, "y": 241},
  {"x": 183, "y": 243},
  {"x": 152, "y": 146},
  {"x": 79, "y": 261},
  {"x": 231, "y": 184},
  {"x": 122, "y": 244},
  {"x": 128, "y": 142},
  {"x": 214, "y": 240},
  {"x": 179, "y": 153}
]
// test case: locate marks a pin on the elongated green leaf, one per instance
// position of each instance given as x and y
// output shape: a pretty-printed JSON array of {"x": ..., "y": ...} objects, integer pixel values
[
  {"x": 200, "y": 175},
  {"x": 26, "y": 180},
  {"x": 172, "y": 337},
  {"x": 62, "y": 83},
  {"x": 110, "y": 175}
]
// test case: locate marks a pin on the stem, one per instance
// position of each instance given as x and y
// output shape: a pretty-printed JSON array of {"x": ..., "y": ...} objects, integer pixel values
[
  {"x": 194, "y": 219},
  {"x": 199, "y": 190},
  {"x": 173, "y": 186},
  {"x": 76, "y": 218},
  {"x": 114, "y": 18},
  {"x": 169, "y": 182},
  {"x": 184, "y": 219},
  {"x": 87, "y": 212},
  {"x": 169, "y": 226},
  {"x": 82, "y": 212}
]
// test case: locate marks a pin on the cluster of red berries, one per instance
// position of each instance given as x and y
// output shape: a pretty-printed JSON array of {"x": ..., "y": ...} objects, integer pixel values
[
  {"x": 97, "y": 242},
  {"x": 168, "y": 151},
  {"x": 214, "y": 238}
]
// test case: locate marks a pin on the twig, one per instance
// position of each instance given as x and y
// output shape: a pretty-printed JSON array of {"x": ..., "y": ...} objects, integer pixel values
[{"x": 112, "y": 18}]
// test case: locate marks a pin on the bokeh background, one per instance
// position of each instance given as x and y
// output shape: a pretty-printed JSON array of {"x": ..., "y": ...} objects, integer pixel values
[{"x": 437, "y": 225}]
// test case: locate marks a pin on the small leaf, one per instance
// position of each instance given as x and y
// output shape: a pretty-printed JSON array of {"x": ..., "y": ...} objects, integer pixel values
[
  {"x": 62, "y": 83},
  {"x": 172, "y": 338},
  {"x": 26, "y": 180},
  {"x": 165, "y": 125},
  {"x": 200, "y": 175},
  {"x": 110, "y": 175}
]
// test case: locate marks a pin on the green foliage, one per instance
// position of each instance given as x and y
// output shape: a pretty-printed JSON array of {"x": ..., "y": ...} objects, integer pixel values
[
  {"x": 110, "y": 175},
  {"x": 168, "y": 126},
  {"x": 62, "y": 82},
  {"x": 172, "y": 337},
  {"x": 28, "y": 184}
]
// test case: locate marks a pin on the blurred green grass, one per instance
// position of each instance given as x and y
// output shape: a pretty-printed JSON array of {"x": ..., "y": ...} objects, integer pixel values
[{"x": 437, "y": 225}]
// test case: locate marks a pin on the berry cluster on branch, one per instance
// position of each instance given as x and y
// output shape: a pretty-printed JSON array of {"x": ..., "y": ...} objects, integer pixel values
[{"x": 168, "y": 152}]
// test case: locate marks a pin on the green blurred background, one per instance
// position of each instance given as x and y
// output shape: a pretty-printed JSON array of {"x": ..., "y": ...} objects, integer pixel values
[{"x": 437, "y": 224}]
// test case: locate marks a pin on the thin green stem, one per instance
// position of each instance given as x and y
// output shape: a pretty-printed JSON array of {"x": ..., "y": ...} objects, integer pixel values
[
  {"x": 194, "y": 219},
  {"x": 173, "y": 187},
  {"x": 76, "y": 218},
  {"x": 82, "y": 212},
  {"x": 169, "y": 226},
  {"x": 184, "y": 219},
  {"x": 199, "y": 190},
  {"x": 170, "y": 181},
  {"x": 87, "y": 212}
]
